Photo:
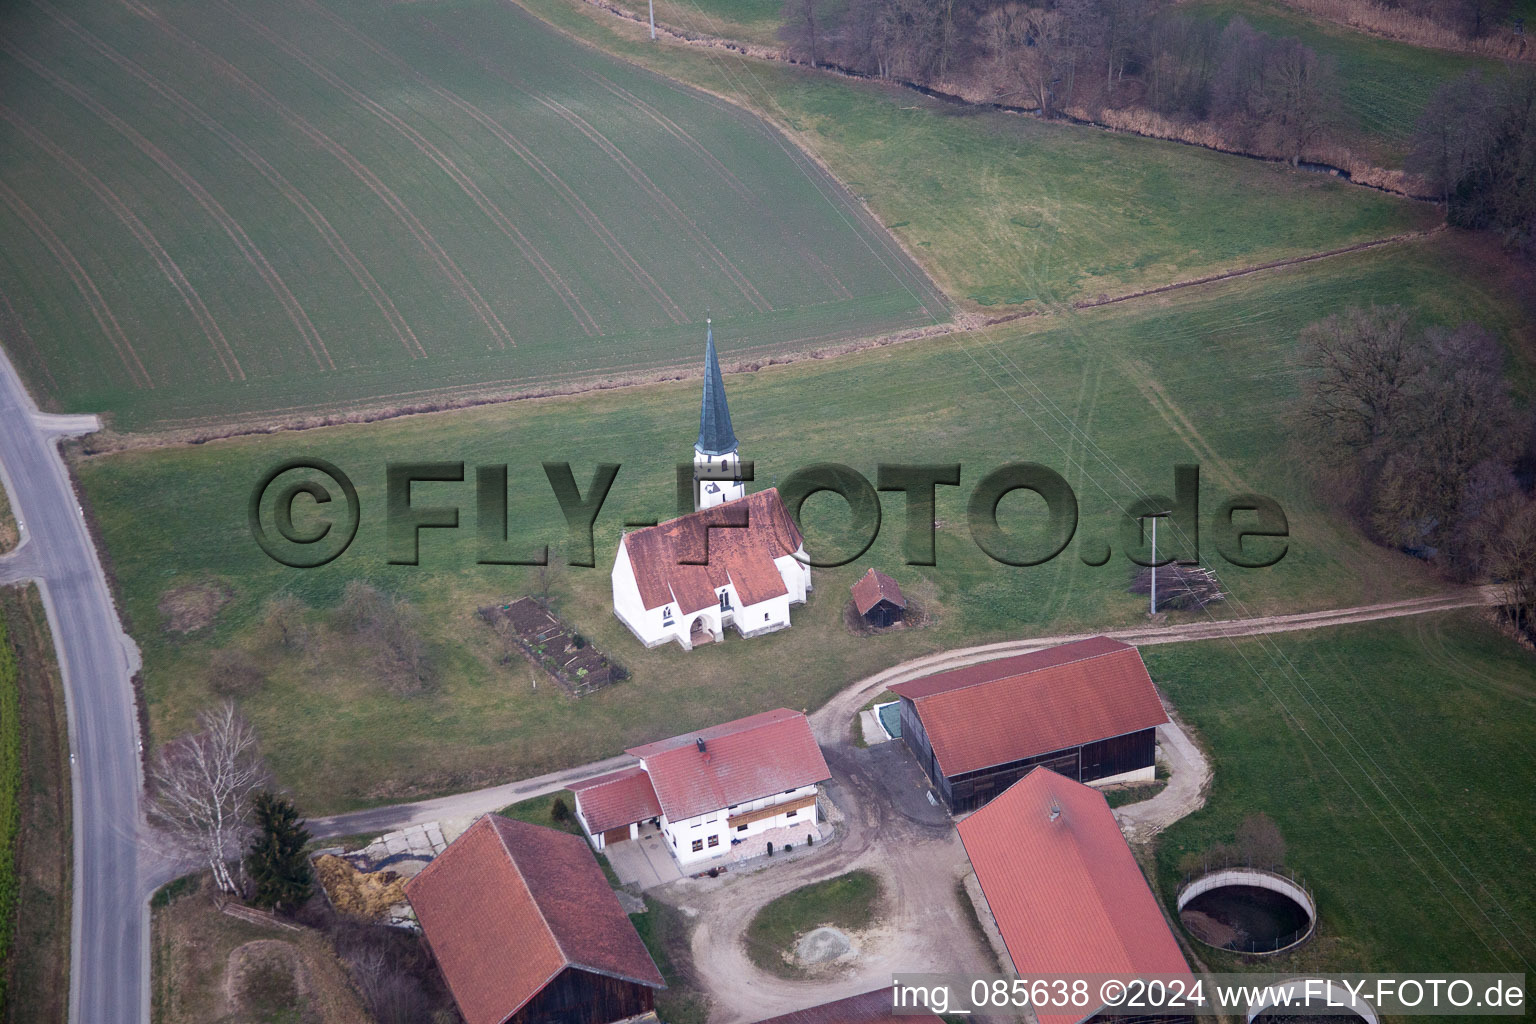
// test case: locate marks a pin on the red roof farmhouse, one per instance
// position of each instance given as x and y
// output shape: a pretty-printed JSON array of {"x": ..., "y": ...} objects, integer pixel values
[
  {"x": 712, "y": 791},
  {"x": 1064, "y": 888},
  {"x": 526, "y": 929},
  {"x": 1086, "y": 710}
]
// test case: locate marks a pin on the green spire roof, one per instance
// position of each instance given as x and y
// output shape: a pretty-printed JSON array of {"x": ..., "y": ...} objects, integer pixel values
[{"x": 715, "y": 434}]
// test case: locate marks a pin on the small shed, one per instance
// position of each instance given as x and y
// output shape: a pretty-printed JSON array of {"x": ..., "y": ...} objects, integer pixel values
[{"x": 878, "y": 599}]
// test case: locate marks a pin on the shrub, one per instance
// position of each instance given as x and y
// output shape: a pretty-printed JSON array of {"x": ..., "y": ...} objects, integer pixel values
[
  {"x": 558, "y": 811},
  {"x": 233, "y": 673}
]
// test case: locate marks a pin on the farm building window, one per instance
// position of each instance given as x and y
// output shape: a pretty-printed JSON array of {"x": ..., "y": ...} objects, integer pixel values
[
  {"x": 714, "y": 840},
  {"x": 741, "y": 828},
  {"x": 698, "y": 844},
  {"x": 791, "y": 814}
]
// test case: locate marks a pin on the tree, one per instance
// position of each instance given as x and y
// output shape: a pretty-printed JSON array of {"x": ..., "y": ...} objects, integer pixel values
[
  {"x": 1452, "y": 135},
  {"x": 1363, "y": 363},
  {"x": 1511, "y": 558},
  {"x": 232, "y": 673},
  {"x": 390, "y": 627},
  {"x": 200, "y": 788},
  {"x": 279, "y": 870},
  {"x": 1299, "y": 94},
  {"x": 284, "y": 625},
  {"x": 1259, "y": 842},
  {"x": 801, "y": 30}
]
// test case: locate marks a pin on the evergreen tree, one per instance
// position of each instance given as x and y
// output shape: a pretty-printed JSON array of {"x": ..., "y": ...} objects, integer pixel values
[{"x": 280, "y": 874}]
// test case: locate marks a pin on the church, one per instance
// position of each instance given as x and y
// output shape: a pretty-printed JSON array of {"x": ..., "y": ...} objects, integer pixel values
[{"x": 685, "y": 580}]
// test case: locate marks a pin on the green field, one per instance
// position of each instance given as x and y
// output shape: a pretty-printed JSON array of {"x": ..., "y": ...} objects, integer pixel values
[
  {"x": 1385, "y": 84},
  {"x": 214, "y": 210},
  {"x": 1396, "y": 757},
  {"x": 1008, "y": 210},
  {"x": 1112, "y": 398}
]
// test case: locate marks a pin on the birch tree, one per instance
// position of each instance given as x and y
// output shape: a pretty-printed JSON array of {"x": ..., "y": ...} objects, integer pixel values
[{"x": 200, "y": 788}]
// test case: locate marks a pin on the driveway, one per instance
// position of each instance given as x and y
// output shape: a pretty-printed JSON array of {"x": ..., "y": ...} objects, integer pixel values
[{"x": 643, "y": 862}]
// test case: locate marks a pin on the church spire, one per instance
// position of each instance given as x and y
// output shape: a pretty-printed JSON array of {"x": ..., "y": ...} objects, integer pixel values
[{"x": 715, "y": 434}]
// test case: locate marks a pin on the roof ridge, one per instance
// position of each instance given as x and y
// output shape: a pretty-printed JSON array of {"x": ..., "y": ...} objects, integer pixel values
[{"x": 1025, "y": 672}]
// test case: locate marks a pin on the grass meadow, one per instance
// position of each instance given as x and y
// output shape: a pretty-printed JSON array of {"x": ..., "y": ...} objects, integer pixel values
[
  {"x": 1396, "y": 757},
  {"x": 1009, "y": 211},
  {"x": 1111, "y": 398},
  {"x": 215, "y": 210}
]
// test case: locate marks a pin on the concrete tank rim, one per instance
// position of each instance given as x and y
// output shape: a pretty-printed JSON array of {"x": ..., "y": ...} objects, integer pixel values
[{"x": 1287, "y": 885}]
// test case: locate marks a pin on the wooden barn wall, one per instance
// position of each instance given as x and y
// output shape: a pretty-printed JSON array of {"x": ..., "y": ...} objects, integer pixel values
[
  {"x": 582, "y": 997},
  {"x": 1118, "y": 754}
]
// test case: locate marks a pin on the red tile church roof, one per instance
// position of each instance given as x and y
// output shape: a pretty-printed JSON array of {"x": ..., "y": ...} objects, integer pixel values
[
  {"x": 1013, "y": 708},
  {"x": 1064, "y": 888},
  {"x": 510, "y": 905},
  {"x": 741, "y": 555},
  {"x": 618, "y": 798},
  {"x": 743, "y": 760}
]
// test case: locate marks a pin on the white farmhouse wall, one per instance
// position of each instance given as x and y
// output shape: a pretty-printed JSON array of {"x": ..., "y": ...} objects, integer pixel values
[{"x": 714, "y": 825}]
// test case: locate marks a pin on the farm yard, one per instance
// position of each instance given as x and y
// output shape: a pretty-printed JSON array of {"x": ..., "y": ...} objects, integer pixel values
[{"x": 223, "y": 211}]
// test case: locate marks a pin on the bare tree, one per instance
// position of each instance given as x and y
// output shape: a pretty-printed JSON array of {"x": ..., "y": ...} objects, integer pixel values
[
  {"x": 1453, "y": 133},
  {"x": 1511, "y": 558},
  {"x": 1363, "y": 364},
  {"x": 284, "y": 624},
  {"x": 1300, "y": 91},
  {"x": 391, "y": 628},
  {"x": 200, "y": 789},
  {"x": 801, "y": 29}
]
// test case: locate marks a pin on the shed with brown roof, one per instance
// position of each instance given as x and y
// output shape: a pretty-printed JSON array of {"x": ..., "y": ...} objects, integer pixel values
[
  {"x": 525, "y": 929},
  {"x": 878, "y": 599},
  {"x": 1086, "y": 710}
]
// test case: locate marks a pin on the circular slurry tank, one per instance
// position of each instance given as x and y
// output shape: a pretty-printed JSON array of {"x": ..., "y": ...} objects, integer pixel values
[{"x": 1247, "y": 911}]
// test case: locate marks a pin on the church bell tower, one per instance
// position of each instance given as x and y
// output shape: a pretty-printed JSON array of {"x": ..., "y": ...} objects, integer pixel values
[{"x": 716, "y": 463}]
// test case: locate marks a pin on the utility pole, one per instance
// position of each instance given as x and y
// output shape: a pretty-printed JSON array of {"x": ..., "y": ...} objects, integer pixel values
[
  {"x": 1154, "y": 516},
  {"x": 652, "y": 5}
]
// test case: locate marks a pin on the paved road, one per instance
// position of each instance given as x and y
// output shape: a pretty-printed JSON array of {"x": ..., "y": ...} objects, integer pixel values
[{"x": 109, "y": 966}]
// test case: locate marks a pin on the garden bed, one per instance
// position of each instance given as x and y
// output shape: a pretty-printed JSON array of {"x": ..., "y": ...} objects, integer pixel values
[{"x": 564, "y": 654}]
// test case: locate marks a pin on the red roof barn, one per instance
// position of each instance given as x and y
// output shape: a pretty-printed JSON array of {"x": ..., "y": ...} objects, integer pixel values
[
  {"x": 525, "y": 928},
  {"x": 1086, "y": 710},
  {"x": 1064, "y": 888}
]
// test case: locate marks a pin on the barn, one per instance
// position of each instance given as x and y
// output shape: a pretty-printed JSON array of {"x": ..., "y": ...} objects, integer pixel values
[
  {"x": 878, "y": 599},
  {"x": 1066, "y": 892},
  {"x": 1087, "y": 710},
  {"x": 527, "y": 931}
]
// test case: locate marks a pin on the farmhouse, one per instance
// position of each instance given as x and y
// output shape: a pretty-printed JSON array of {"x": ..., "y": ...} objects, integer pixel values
[
  {"x": 1064, "y": 888},
  {"x": 878, "y": 599},
  {"x": 725, "y": 791},
  {"x": 525, "y": 929},
  {"x": 1086, "y": 710},
  {"x": 736, "y": 560}
]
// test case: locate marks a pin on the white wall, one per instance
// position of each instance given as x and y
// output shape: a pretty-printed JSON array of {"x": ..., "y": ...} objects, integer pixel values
[{"x": 681, "y": 835}]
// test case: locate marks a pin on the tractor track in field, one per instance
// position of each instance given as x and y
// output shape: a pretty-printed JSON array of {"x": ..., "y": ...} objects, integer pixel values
[
  {"x": 506, "y": 137},
  {"x": 434, "y": 249},
  {"x": 248, "y": 249},
  {"x": 142, "y": 234},
  {"x": 318, "y": 220}
]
